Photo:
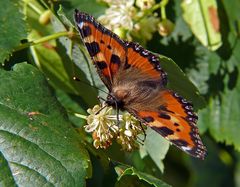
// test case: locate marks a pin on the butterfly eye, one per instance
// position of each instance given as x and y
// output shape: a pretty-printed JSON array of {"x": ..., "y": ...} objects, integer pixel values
[
  {"x": 111, "y": 101},
  {"x": 109, "y": 97}
]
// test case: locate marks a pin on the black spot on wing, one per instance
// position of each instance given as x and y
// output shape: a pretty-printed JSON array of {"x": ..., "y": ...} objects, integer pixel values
[
  {"x": 176, "y": 124},
  {"x": 86, "y": 31},
  {"x": 164, "y": 116},
  {"x": 93, "y": 48},
  {"x": 148, "y": 119},
  {"x": 164, "y": 108},
  {"x": 115, "y": 59},
  {"x": 164, "y": 131},
  {"x": 178, "y": 130},
  {"x": 109, "y": 47},
  {"x": 127, "y": 65},
  {"x": 101, "y": 64}
]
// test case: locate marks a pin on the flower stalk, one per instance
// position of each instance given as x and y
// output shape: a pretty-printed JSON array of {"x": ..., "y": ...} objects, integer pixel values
[{"x": 44, "y": 39}]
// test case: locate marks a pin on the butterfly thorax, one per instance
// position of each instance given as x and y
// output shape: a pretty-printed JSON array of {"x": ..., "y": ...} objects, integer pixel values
[
  {"x": 128, "y": 94},
  {"x": 115, "y": 102}
]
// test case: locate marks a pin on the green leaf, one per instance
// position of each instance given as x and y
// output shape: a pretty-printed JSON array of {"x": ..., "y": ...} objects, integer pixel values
[
  {"x": 156, "y": 146},
  {"x": 124, "y": 171},
  {"x": 202, "y": 17},
  {"x": 57, "y": 66},
  {"x": 51, "y": 64},
  {"x": 56, "y": 61},
  {"x": 72, "y": 106},
  {"x": 37, "y": 139},
  {"x": 11, "y": 30},
  {"x": 6, "y": 178},
  {"x": 222, "y": 114},
  {"x": 233, "y": 15},
  {"x": 180, "y": 83}
]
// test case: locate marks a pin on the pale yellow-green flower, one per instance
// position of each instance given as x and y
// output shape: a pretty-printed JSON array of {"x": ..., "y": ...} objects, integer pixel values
[
  {"x": 102, "y": 123},
  {"x": 99, "y": 121},
  {"x": 119, "y": 14},
  {"x": 145, "y": 4},
  {"x": 136, "y": 19},
  {"x": 128, "y": 133}
]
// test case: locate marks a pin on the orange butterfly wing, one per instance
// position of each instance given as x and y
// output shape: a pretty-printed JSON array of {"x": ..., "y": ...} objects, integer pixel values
[
  {"x": 174, "y": 119},
  {"x": 106, "y": 49}
]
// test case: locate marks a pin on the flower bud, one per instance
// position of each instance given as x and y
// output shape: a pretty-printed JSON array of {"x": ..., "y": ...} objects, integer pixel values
[
  {"x": 145, "y": 4},
  {"x": 45, "y": 17},
  {"x": 165, "y": 27}
]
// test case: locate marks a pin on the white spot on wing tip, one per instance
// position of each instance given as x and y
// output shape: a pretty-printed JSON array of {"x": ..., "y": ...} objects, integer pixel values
[
  {"x": 81, "y": 25},
  {"x": 186, "y": 148}
]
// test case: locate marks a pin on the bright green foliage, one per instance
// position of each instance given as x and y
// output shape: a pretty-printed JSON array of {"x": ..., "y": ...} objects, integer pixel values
[
  {"x": 152, "y": 149},
  {"x": 131, "y": 177},
  {"x": 202, "y": 17},
  {"x": 11, "y": 30},
  {"x": 6, "y": 178},
  {"x": 222, "y": 116},
  {"x": 36, "y": 136}
]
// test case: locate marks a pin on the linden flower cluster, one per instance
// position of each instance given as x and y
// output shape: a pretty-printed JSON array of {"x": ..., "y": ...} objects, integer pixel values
[
  {"x": 102, "y": 123},
  {"x": 130, "y": 18}
]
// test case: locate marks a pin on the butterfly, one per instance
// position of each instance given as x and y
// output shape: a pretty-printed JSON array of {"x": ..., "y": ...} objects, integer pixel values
[{"x": 137, "y": 83}]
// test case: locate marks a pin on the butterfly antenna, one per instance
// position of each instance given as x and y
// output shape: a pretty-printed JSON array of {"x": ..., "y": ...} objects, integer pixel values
[{"x": 86, "y": 83}]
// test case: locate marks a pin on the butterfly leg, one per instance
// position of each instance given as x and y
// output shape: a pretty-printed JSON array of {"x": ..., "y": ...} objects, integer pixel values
[
  {"x": 144, "y": 134},
  {"x": 100, "y": 109},
  {"x": 117, "y": 110}
]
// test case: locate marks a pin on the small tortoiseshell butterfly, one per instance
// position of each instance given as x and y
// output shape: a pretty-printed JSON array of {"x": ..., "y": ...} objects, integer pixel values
[{"x": 136, "y": 83}]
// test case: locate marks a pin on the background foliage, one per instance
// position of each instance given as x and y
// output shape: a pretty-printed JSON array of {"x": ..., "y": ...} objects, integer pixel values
[{"x": 42, "y": 142}]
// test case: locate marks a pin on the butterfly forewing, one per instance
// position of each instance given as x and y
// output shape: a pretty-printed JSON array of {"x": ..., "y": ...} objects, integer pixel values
[{"x": 106, "y": 49}]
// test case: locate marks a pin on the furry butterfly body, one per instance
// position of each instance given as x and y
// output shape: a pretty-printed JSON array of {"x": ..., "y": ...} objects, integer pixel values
[{"x": 137, "y": 83}]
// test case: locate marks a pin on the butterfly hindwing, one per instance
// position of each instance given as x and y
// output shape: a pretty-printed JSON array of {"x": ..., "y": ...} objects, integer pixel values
[
  {"x": 145, "y": 61},
  {"x": 174, "y": 119},
  {"x": 106, "y": 49}
]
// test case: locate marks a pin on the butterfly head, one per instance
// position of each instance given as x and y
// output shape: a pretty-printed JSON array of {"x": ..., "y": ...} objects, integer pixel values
[{"x": 116, "y": 100}]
